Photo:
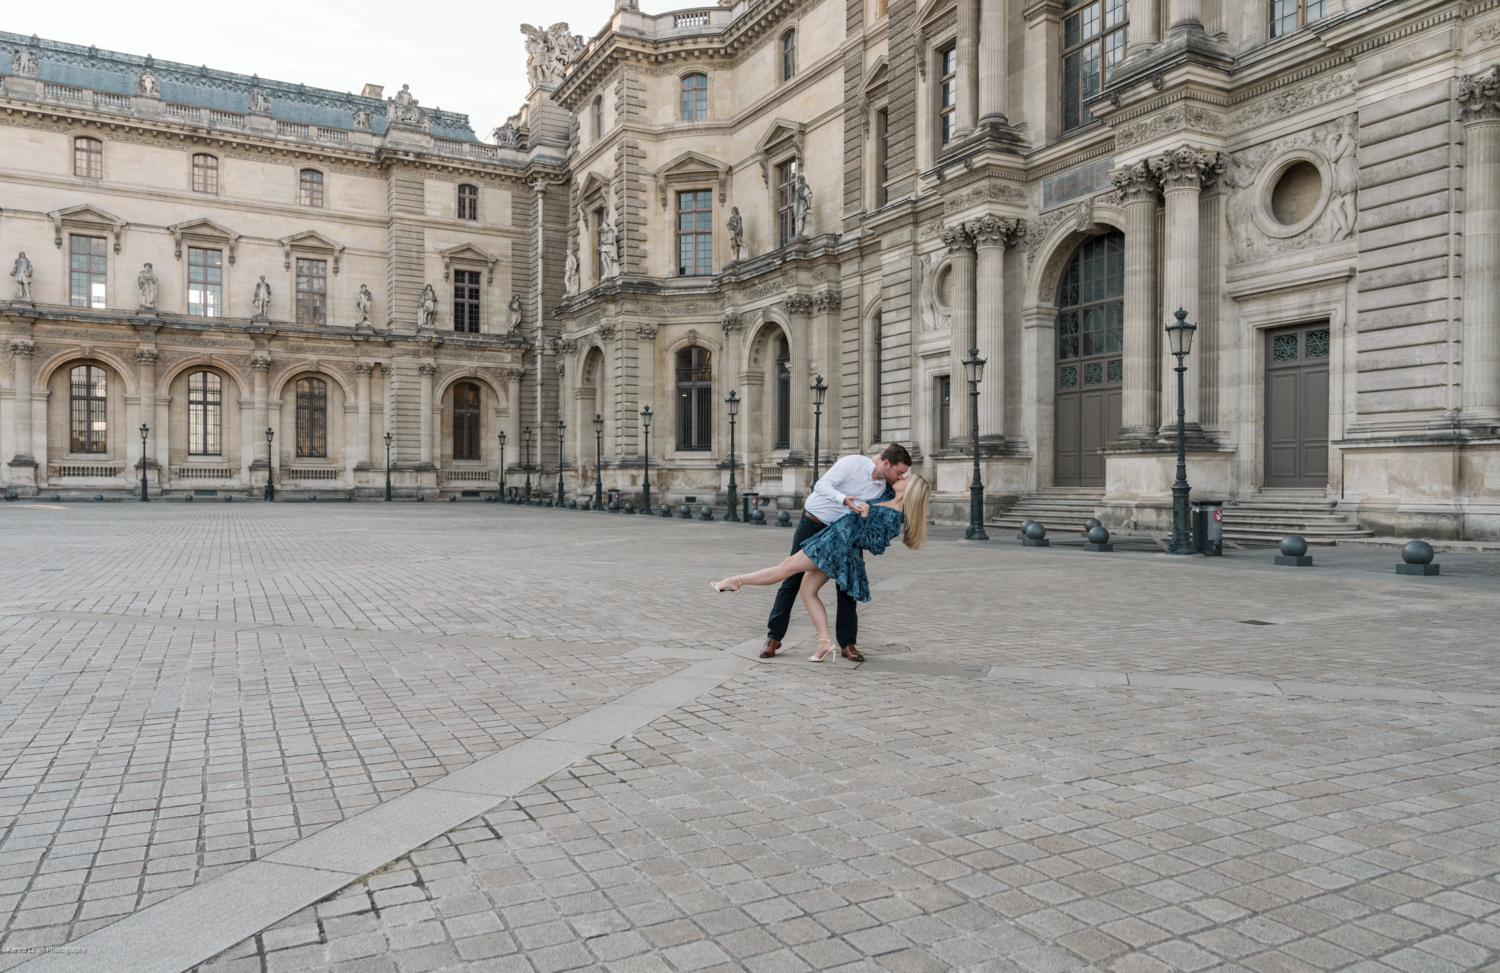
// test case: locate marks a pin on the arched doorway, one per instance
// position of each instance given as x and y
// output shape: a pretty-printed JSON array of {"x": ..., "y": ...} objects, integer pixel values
[{"x": 1090, "y": 363}]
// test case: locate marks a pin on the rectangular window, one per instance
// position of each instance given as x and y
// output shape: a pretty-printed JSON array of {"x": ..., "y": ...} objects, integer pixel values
[
  {"x": 87, "y": 264},
  {"x": 694, "y": 399},
  {"x": 695, "y": 238},
  {"x": 205, "y": 283},
  {"x": 1288, "y": 15},
  {"x": 944, "y": 392},
  {"x": 1095, "y": 33},
  {"x": 205, "y": 410},
  {"x": 88, "y": 419},
  {"x": 312, "y": 418},
  {"x": 310, "y": 188},
  {"x": 88, "y": 158},
  {"x": 882, "y": 155},
  {"x": 205, "y": 174},
  {"x": 947, "y": 92},
  {"x": 468, "y": 202},
  {"x": 312, "y": 291},
  {"x": 783, "y": 395},
  {"x": 466, "y": 301},
  {"x": 786, "y": 202}
]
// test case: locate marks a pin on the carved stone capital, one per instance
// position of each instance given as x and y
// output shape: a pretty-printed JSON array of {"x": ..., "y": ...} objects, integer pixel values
[
  {"x": 731, "y": 322},
  {"x": 1186, "y": 168},
  {"x": 1479, "y": 96},
  {"x": 606, "y": 331},
  {"x": 798, "y": 304},
  {"x": 826, "y": 302},
  {"x": 646, "y": 332},
  {"x": 427, "y": 368},
  {"x": 957, "y": 239},
  {"x": 364, "y": 368},
  {"x": 515, "y": 374},
  {"x": 995, "y": 231},
  {"x": 568, "y": 346},
  {"x": 260, "y": 361},
  {"x": 1135, "y": 183},
  {"x": 146, "y": 356},
  {"x": 22, "y": 347}
]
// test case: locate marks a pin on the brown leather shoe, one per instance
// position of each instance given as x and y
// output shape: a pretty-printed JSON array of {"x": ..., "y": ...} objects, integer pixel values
[
  {"x": 768, "y": 651},
  {"x": 852, "y": 653}
]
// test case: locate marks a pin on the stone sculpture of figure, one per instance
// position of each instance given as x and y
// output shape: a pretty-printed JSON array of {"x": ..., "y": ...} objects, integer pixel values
[
  {"x": 927, "y": 308},
  {"x": 1342, "y": 150},
  {"x": 566, "y": 46},
  {"x": 507, "y": 136},
  {"x": 22, "y": 274},
  {"x": 260, "y": 104},
  {"x": 147, "y": 283},
  {"x": 427, "y": 310},
  {"x": 570, "y": 274},
  {"x": 145, "y": 84},
  {"x": 1241, "y": 181},
  {"x": 541, "y": 65},
  {"x": 802, "y": 206},
  {"x": 737, "y": 248},
  {"x": 23, "y": 62},
  {"x": 365, "y": 303},
  {"x": 515, "y": 312},
  {"x": 362, "y": 119},
  {"x": 404, "y": 109},
  {"x": 261, "y": 302},
  {"x": 609, "y": 253}
]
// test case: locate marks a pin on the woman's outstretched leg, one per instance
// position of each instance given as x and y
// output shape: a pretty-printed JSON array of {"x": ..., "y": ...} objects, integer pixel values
[
  {"x": 795, "y": 564},
  {"x": 812, "y": 581}
]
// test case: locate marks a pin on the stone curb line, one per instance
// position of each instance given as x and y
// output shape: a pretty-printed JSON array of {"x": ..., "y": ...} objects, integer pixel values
[{"x": 180, "y": 932}]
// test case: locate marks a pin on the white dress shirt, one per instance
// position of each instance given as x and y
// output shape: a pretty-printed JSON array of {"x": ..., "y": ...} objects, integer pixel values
[{"x": 849, "y": 477}]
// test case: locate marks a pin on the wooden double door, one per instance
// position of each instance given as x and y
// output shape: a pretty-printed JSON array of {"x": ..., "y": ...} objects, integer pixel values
[{"x": 1296, "y": 431}]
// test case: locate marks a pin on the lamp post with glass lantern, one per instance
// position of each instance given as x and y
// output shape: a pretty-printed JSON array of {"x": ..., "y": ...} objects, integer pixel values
[
  {"x": 598, "y": 461},
  {"x": 646, "y": 418},
  {"x": 1180, "y": 341},
  {"x": 389, "y": 438},
  {"x": 145, "y": 431},
  {"x": 732, "y": 403},
  {"x": 270, "y": 465},
  {"x": 819, "y": 391},
  {"x": 526, "y": 438},
  {"x": 974, "y": 372},
  {"x": 560, "y": 430},
  {"x": 501, "y": 497}
]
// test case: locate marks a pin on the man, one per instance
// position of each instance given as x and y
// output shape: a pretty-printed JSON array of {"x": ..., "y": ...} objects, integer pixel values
[{"x": 848, "y": 488}]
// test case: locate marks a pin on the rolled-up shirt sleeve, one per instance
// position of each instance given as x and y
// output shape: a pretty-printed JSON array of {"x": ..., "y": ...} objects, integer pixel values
[{"x": 830, "y": 485}]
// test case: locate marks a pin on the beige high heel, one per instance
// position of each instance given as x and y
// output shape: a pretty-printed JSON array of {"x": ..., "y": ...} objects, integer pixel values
[
  {"x": 730, "y": 591},
  {"x": 820, "y": 655}
]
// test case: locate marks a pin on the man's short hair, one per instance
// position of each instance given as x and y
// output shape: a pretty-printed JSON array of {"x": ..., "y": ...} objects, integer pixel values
[{"x": 896, "y": 455}]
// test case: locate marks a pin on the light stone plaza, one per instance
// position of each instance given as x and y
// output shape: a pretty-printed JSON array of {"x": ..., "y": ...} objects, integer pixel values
[{"x": 286, "y": 687}]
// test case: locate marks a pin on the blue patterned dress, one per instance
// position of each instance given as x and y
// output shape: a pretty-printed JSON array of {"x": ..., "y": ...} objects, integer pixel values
[{"x": 836, "y": 549}]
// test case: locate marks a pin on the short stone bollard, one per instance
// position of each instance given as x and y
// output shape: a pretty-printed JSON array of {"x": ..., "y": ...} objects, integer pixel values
[
  {"x": 1417, "y": 559},
  {"x": 56, "y": 497},
  {"x": 452, "y": 498},
  {"x": 187, "y": 498},
  {"x": 1036, "y": 536},
  {"x": 684, "y": 512},
  {"x": 666, "y": 510},
  {"x": 229, "y": 499},
  {"x": 630, "y": 508},
  {"x": 614, "y": 506},
  {"x": 1096, "y": 538},
  {"x": 1021, "y": 534},
  {"x": 1090, "y": 524},
  {"x": 348, "y": 497},
  {"x": 706, "y": 513},
  {"x": 783, "y": 519},
  {"x": 100, "y": 496},
  {"x": 758, "y": 517},
  {"x": 1294, "y": 552},
  {"x": 312, "y": 498}
]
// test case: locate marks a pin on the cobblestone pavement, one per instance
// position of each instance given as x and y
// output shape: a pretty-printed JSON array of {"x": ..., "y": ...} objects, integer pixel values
[{"x": 187, "y": 689}]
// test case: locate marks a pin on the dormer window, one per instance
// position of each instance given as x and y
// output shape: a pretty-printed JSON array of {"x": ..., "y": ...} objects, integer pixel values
[{"x": 695, "y": 98}]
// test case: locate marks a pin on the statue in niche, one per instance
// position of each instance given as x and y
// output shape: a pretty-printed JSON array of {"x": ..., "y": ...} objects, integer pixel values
[
  {"x": 609, "y": 251},
  {"x": 260, "y": 304},
  {"x": 1240, "y": 178},
  {"x": 570, "y": 274},
  {"x": 363, "y": 119},
  {"x": 927, "y": 308},
  {"x": 22, "y": 273},
  {"x": 737, "y": 248},
  {"x": 802, "y": 206},
  {"x": 1342, "y": 152},
  {"x": 260, "y": 103},
  {"x": 147, "y": 284},
  {"x": 516, "y": 316},
  {"x": 146, "y": 84},
  {"x": 427, "y": 309},
  {"x": 23, "y": 62},
  {"x": 365, "y": 303}
]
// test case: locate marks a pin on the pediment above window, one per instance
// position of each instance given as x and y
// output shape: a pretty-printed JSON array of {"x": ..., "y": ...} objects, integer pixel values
[
  {"x": 783, "y": 135},
  {"x": 87, "y": 217},
  {"x": 691, "y": 167},
  {"x": 203, "y": 228},
  {"x": 310, "y": 240},
  {"x": 467, "y": 253}
]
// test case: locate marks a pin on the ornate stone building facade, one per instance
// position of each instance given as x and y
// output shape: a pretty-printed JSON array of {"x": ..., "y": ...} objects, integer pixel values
[{"x": 748, "y": 197}]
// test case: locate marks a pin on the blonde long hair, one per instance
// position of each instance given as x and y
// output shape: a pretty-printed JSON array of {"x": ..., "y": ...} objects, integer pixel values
[{"x": 914, "y": 511}]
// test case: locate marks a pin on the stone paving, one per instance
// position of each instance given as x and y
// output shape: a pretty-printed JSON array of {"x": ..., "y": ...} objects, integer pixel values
[{"x": 187, "y": 689}]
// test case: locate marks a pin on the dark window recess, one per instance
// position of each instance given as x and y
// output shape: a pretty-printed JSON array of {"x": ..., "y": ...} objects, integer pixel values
[
  {"x": 695, "y": 238},
  {"x": 312, "y": 291},
  {"x": 468, "y": 202},
  {"x": 88, "y": 262},
  {"x": 1095, "y": 33},
  {"x": 786, "y": 202},
  {"x": 947, "y": 93},
  {"x": 310, "y": 188},
  {"x": 1090, "y": 359},
  {"x": 876, "y": 395},
  {"x": 466, "y": 301},
  {"x": 695, "y": 98},
  {"x": 783, "y": 393},
  {"x": 945, "y": 398},
  {"x": 466, "y": 441},
  {"x": 90, "y": 426},
  {"x": 88, "y": 158},
  {"x": 312, "y": 418},
  {"x": 205, "y": 411},
  {"x": 694, "y": 399}
]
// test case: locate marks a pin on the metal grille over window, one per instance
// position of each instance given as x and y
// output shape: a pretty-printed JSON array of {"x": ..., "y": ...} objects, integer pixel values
[
  {"x": 1095, "y": 33},
  {"x": 948, "y": 92},
  {"x": 205, "y": 405},
  {"x": 1068, "y": 377},
  {"x": 1284, "y": 348},
  {"x": 87, "y": 266},
  {"x": 468, "y": 202},
  {"x": 694, "y": 399},
  {"x": 1317, "y": 343},
  {"x": 466, "y": 301},
  {"x": 1288, "y": 15},
  {"x": 205, "y": 173},
  {"x": 695, "y": 98},
  {"x": 466, "y": 421},
  {"x": 310, "y": 188},
  {"x": 205, "y": 282},
  {"x": 88, "y": 413},
  {"x": 88, "y": 158},
  {"x": 312, "y": 291},
  {"x": 786, "y": 202},
  {"x": 312, "y": 418},
  {"x": 695, "y": 238}
]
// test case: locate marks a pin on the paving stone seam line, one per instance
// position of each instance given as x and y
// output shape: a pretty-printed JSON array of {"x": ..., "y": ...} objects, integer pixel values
[{"x": 177, "y": 933}]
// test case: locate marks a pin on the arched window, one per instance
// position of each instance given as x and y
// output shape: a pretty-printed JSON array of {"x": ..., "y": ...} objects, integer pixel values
[
  {"x": 88, "y": 157},
  {"x": 310, "y": 188},
  {"x": 1090, "y": 359},
  {"x": 466, "y": 421},
  {"x": 205, "y": 410},
  {"x": 1094, "y": 35},
  {"x": 468, "y": 202},
  {"x": 88, "y": 414},
  {"x": 783, "y": 393},
  {"x": 788, "y": 55},
  {"x": 694, "y": 399},
  {"x": 598, "y": 116},
  {"x": 695, "y": 98},
  {"x": 312, "y": 418},
  {"x": 205, "y": 173}
]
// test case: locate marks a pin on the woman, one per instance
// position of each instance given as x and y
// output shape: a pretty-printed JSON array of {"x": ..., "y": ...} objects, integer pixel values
[{"x": 834, "y": 553}]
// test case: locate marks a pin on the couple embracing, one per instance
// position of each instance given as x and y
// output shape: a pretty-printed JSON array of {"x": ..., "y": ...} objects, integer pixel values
[{"x": 861, "y": 504}]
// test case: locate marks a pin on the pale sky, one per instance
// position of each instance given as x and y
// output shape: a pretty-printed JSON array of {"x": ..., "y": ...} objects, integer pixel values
[{"x": 460, "y": 55}]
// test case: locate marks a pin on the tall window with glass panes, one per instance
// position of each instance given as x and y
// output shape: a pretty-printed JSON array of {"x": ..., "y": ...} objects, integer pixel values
[
  {"x": 205, "y": 282},
  {"x": 1288, "y": 15},
  {"x": 947, "y": 93},
  {"x": 695, "y": 238},
  {"x": 1094, "y": 36}
]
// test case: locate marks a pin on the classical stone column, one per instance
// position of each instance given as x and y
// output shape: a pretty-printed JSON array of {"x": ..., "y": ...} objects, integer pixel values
[
  {"x": 966, "y": 51},
  {"x": 991, "y": 234},
  {"x": 260, "y": 364},
  {"x": 23, "y": 349},
  {"x": 513, "y": 376},
  {"x": 798, "y": 308},
  {"x": 145, "y": 360},
  {"x": 1144, "y": 15},
  {"x": 992, "y": 64},
  {"x": 1180, "y": 173},
  {"x": 426, "y": 369},
  {"x": 1479, "y": 99},
  {"x": 1139, "y": 399},
  {"x": 1186, "y": 15},
  {"x": 962, "y": 337},
  {"x": 362, "y": 372}
]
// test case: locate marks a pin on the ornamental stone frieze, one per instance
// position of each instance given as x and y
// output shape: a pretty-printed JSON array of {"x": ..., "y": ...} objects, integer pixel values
[
  {"x": 1479, "y": 96},
  {"x": 1185, "y": 168}
]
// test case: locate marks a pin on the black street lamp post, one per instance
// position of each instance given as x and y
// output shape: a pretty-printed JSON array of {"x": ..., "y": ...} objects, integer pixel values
[
  {"x": 1180, "y": 338},
  {"x": 526, "y": 438},
  {"x": 560, "y": 430},
  {"x": 598, "y": 461},
  {"x": 271, "y": 465},
  {"x": 145, "y": 431},
  {"x": 388, "y": 440},
  {"x": 974, "y": 372},
  {"x": 819, "y": 390},
  {"x": 732, "y": 403},
  {"x": 501, "y": 437},
  {"x": 646, "y": 418}
]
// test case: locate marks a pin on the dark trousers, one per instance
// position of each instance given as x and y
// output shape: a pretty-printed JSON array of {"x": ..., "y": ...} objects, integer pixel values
[{"x": 846, "y": 628}]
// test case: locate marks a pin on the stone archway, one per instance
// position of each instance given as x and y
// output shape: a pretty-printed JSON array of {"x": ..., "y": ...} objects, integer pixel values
[{"x": 1089, "y": 367}]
